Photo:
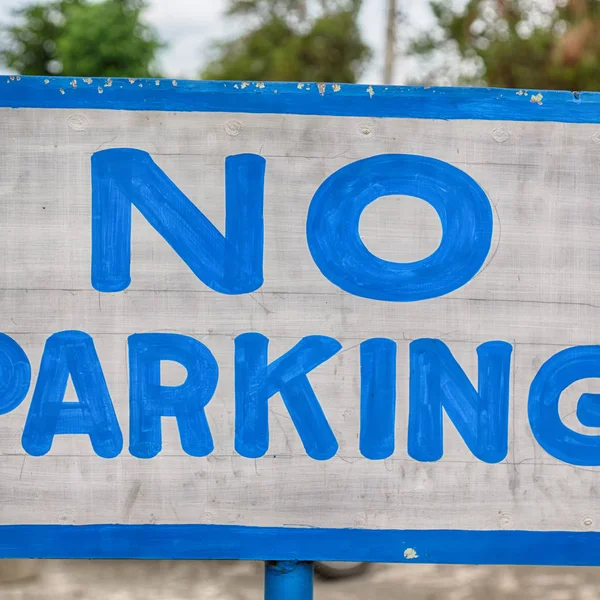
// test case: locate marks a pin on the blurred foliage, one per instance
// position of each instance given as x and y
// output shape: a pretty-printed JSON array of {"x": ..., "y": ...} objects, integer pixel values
[
  {"x": 29, "y": 46},
  {"x": 81, "y": 38},
  {"x": 541, "y": 44},
  {"x": 293, "y": 40}
]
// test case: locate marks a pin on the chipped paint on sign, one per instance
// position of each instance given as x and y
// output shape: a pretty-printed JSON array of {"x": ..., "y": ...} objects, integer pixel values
[
  {"x": 537, "y": 98},
  {"x": 280, "y": 290}
]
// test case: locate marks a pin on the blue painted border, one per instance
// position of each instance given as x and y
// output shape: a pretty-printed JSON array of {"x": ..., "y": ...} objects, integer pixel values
[
  {"x": 264, "y": 543},
  {"x": 282, "y": 543},
  {"x": 302, "y": 99}
]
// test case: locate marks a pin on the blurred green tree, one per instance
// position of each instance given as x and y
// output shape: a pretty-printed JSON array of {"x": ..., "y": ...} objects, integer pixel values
[
  {"x": 29, "y": 46},
  {"x": 540, "y": 44},
  {"x": 293, "y": 40},
  {"x": 81, "y": 38}
]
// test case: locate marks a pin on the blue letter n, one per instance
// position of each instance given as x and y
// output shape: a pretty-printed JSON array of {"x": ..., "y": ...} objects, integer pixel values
[
  {"x": 481, "y": 417},
  {"x": 230, "y": 264}
]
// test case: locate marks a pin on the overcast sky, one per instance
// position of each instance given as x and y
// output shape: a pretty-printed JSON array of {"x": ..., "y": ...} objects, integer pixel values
[{"x": 188, "y": 27}]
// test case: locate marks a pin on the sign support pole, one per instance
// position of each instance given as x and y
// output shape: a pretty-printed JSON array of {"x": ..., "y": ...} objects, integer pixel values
[{"x": 288, "y": 580}]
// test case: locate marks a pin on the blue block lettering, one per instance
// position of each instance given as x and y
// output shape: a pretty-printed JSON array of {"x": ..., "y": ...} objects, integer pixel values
[
  {"x": 555, "y": 375},
  {"x": 71, "y": 353},
  {"x": 15, "y": 374},
  {"x": 256, "y": 381},
  {"x": 334, "y": 241},
  {"x": 588, "y": 410},
  {"x": 481, "y": 417},
  {"x": 230, "y": 264},
  {"x": 377, "y": 398},
  {"x": 149, "y": 400}
]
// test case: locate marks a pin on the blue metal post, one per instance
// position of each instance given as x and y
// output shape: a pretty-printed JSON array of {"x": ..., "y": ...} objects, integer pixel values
[{"x": 288, "y": 580}]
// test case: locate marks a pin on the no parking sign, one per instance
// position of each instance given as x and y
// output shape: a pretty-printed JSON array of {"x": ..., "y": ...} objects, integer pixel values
[{"x": 298, "y": 321}]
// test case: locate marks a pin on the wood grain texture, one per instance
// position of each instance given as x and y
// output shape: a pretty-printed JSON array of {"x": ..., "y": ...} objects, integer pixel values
[{"x": 538, "y": 290}]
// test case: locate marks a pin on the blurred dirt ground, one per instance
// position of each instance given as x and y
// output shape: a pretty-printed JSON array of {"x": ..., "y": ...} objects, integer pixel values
[{"x": 225, "y": 580}]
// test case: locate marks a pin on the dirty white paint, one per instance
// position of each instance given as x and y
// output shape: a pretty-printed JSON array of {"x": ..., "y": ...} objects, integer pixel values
[
  {"x": 538, "y": 290},
  {"x": 410, "y": 554},
  {"x": 537, "y": 98}
]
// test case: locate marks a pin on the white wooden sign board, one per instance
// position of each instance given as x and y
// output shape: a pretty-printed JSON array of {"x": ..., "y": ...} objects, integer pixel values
[{"x": 281, "y": 321}]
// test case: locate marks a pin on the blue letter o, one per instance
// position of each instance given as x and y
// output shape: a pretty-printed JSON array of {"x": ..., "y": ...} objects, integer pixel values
[{"x": 334, "y": 214}]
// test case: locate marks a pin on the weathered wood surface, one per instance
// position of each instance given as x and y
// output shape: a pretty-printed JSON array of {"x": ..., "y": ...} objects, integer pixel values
[{"x": 538, "y": 290}]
